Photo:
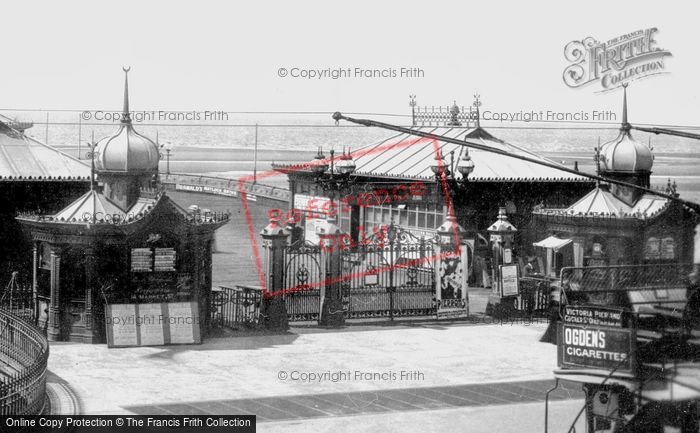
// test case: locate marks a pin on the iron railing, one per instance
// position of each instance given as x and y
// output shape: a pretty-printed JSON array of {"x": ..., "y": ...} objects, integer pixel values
[
  {"x": 223, "y": 186},
  {"x": 658, "y": 285},
  {"x": 20, "y": 302},
  {"x": 24, "y": 353},
  {"x": 236, "y": 307},
  {"x": 535, "y": 296}
]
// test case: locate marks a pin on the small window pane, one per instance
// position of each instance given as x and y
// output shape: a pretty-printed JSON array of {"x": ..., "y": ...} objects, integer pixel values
[
  {"x": 403, "y": 218},
  {"x": 412, "y": 218},
  {"x": 431, "y": 221}
]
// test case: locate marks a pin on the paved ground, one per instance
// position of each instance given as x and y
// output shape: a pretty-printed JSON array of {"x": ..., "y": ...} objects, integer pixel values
[
  {"x": 456, "y": 373},
  {"x": 371, "y": 402}
]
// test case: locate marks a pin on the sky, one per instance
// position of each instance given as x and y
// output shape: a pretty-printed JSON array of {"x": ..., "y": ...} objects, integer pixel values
[{"x": 223, "y": 55}]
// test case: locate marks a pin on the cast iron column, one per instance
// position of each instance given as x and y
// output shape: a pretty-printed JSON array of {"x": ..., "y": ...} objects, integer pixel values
[
  {"x": 91, "y": 331},
  {"x": 35, "y": 275},
  {"x": 331, "y": 236},
  {"x": 54, "y": 328},
  {"x": 273, "y": 309}
]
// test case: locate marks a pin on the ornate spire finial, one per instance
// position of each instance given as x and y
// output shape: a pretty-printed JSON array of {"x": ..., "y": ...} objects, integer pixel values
[
  {"x": 454, "y": 115},
  {"x": 625, "y": 124},
  {"x": 92, "y": 161},
  {"x": 477, "y": 104},
  {"x": 412, "y": 104},
  {"x": 126, "y": 117},
  {"x": 597, "y": 158}
]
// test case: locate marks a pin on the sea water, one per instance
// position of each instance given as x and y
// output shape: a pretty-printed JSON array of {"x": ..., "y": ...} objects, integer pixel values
[{"x": 226, "y": 147}]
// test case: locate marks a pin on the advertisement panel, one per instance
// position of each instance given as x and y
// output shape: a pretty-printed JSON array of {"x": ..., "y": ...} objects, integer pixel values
[{"x": 596, "y": 337}]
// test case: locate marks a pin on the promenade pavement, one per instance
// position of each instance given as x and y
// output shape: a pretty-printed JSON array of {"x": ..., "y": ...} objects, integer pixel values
[{"x": 410, "y": 376}]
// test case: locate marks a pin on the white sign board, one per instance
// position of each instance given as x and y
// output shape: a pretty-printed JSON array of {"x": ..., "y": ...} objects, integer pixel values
[
  {"x": 120, "y": 320},
  {"x": 509, "y": 280},
  {"x": 152, "y": 324}
]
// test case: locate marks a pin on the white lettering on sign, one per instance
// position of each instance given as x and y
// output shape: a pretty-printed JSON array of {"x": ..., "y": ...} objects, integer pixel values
[
  {"x": 596, "y": 354},
  {"x": 585, "y": 337}
]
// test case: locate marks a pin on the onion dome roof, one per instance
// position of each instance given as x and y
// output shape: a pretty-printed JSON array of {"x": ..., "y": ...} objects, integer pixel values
[
  {"x": 624, "y": 154},
  {"x": 126, "y": 150}
]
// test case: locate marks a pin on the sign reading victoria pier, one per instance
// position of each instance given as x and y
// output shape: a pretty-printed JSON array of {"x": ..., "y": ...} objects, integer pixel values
[
  {"x": 614, "y": 62},
  {"x": 595, "y": 337}
]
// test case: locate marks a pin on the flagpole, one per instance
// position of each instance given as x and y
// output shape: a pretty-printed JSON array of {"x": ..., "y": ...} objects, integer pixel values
[
  {"x": 255, "y": 156},
  {"x": 46, "y": 138},
  {"x": 80, "y": 137}
]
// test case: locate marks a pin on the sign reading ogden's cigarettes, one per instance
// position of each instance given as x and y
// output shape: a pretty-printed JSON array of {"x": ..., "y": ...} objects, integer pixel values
[{"x": 595, "y": 337}]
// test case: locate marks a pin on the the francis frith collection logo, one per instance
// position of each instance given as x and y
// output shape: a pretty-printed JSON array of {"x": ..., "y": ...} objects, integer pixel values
[{"x": 625, "y": 58}]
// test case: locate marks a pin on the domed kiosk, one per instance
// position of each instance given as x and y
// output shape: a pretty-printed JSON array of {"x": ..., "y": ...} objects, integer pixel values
[
  {"x": 123, "y": 249},
  {"x": 126, "y": 161},
  {"x": 617, "y": 224}
]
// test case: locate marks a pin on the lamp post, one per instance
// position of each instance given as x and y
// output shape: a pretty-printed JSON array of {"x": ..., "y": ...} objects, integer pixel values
[
  {"x": 502, "y": 237},
  {"x": 332, "y": 177},
  {"x": 446, "y": 173},
  {"x": 168, "y": 148},
  {"x": 391, "y": 236},
  {"x": 92, "y": 154}
]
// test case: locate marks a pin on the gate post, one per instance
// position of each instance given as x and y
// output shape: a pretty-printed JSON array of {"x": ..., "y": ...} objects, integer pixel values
[
  {"x": 451, "y": 270},
  {"x": 502, "y": 236},
  {"x": 273, "y": 309},
  {"x": 331, "y": 238}
]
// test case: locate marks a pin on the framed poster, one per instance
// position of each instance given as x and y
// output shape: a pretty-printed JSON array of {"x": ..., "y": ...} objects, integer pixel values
[
  {"x": 652, "y": 251},
  {"x": 156, "y": 324},
  {"x": 668, "y": 249},
  {"x": 151, "y": 325},
  {"x": 183, "y": 323},
  {"x": 120, "y": 320},
  {"x": 141, "y": 260},
  {"x": 510, "y": 284}
]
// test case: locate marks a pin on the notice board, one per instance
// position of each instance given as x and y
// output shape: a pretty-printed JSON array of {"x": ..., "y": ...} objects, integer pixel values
[
  {"x": 510, "y": 284},
  {"x": 596, "y": 337},
  {"x": 130, "y": 325}
]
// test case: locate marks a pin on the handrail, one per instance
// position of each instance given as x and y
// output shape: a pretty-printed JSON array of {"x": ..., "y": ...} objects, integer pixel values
[
  {"x": 229, "y": 183},
  {"x": 25, "y": 352}
]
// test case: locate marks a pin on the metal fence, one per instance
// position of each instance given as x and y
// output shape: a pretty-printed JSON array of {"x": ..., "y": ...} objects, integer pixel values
[
  {"x": 534, "y": 297},
  {"x": 223, "y": 186},
  {"x": 236, "y": 307},
  {"x": 18, "y": 299},
  {"x": 24, "y": 353},
  {"x": 659, "y": 285}
]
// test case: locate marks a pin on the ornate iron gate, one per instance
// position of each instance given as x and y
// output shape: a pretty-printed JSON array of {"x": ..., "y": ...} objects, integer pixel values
[
  {"x": 236, "y": 307},
  {"x": 387, "y": 278},
  {"x": 384, "y": 277},
  {"x": 303, "y": 276}
]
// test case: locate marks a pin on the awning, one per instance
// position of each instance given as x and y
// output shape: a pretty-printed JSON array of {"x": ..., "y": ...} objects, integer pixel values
[{"x": 553, "y": 242}]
